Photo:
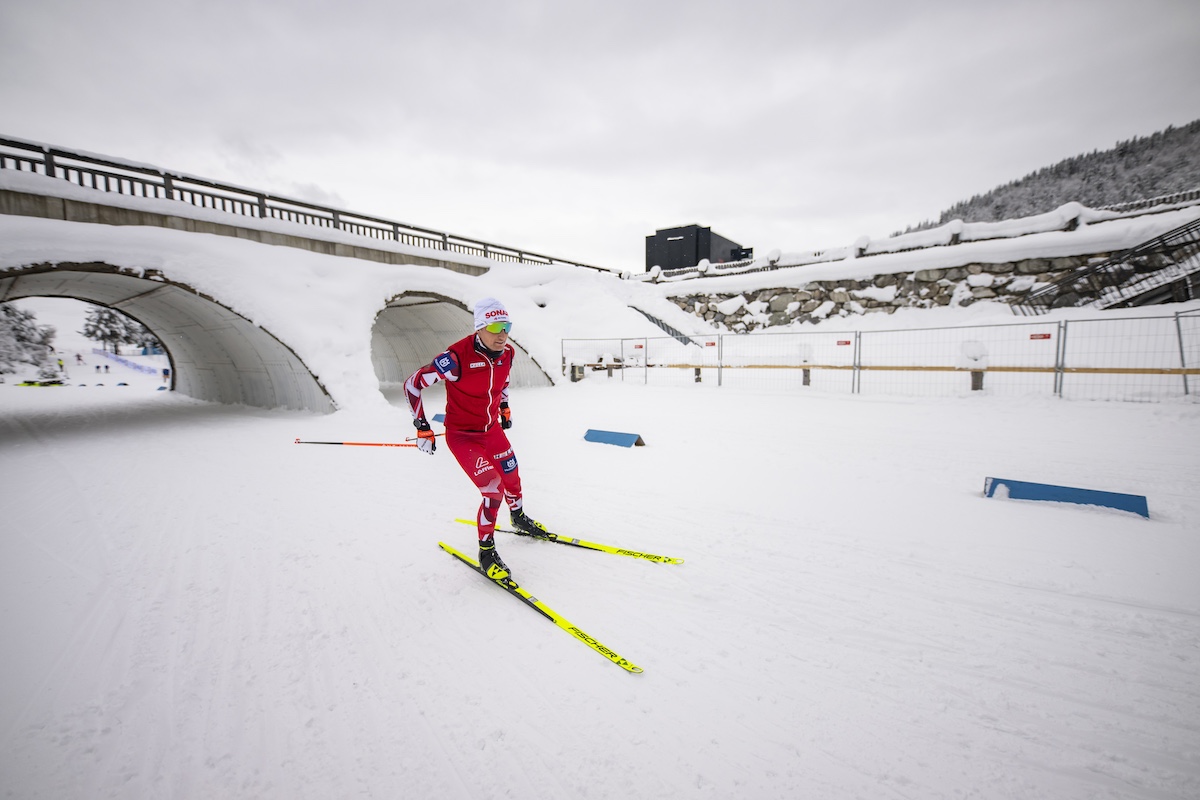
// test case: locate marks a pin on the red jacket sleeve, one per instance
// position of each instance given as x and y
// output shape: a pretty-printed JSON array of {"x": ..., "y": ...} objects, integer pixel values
[{"x": 445, "y": 366}]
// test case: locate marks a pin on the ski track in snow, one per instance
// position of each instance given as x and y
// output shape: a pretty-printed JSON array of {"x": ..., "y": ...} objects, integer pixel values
[{"x": 193, "y": 606}]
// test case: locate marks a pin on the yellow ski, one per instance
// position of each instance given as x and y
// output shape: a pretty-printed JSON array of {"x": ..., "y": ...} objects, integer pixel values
[
  {"x": 512, "y": 588},
  {"x": 603, "y": 548}
]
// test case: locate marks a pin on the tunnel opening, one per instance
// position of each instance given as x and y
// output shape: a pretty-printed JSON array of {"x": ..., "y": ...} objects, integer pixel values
[
  {"x": 214, "y": 353},
  {"x": 415, "y": 326},
  {"x": 64, "y": 341}
]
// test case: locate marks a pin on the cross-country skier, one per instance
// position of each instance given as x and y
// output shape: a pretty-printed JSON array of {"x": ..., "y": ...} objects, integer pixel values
[{"x": 476, "y": 371}]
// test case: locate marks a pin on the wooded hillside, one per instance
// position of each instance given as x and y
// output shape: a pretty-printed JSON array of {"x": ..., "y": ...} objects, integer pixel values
[{"x": 1162, "y": 163}]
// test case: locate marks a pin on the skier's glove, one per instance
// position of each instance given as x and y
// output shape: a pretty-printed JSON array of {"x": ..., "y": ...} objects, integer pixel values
[
  {"x": 505, "y": 416},
  {"x": 426, "y": 441}
]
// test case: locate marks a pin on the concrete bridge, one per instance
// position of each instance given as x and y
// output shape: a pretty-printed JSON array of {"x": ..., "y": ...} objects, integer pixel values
[
  {"x": 184, "y": 256},
  {"x": 219, "y": 355},
  {"x": 203, "y": 285}
]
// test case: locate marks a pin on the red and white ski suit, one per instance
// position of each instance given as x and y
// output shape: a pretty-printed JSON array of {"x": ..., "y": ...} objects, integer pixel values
[{"x": 476, "y": 383}]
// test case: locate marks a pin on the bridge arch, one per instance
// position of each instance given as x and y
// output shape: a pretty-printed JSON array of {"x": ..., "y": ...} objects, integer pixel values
[
  {"x": 415, "y": 326},
  {"x": 215, "y": 354}
]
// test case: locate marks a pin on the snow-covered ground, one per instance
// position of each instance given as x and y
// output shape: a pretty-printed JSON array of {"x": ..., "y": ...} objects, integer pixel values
[{"x": 193, "y": 606}]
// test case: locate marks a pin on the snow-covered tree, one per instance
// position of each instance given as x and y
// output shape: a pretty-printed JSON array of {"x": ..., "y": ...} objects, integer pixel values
[
  {"x": 106, "y": 326},
  {"x": 1150, "y": 166},
  {"x": 115, "y": 329},
  {"x": 22, "y": 340}
]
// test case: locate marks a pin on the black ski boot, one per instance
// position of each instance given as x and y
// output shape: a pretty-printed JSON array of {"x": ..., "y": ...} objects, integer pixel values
[
  {"x": 526, "y": 526},
  {"x": 489, "y": 561}
]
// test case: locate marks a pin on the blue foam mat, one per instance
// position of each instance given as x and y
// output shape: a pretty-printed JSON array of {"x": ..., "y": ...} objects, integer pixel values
[
  {"x": 614, "y": 437},
  {"x": 1024, "y": 490}
]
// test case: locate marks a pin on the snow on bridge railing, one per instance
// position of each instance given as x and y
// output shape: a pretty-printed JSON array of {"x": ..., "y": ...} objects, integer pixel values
[{"x": 106, "y": 174}]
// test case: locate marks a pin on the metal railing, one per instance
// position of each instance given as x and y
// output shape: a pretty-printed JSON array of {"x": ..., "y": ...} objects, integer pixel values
[
  {"x": 1150, "y": 202},
  {"x": 108, "y": 175},
  {"x": 1159, "y": 262},
  {"x": 1149, "y": 358}
]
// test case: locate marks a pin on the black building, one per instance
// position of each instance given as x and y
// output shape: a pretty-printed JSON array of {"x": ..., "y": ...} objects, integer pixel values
[{"x": 679, "y": 248}]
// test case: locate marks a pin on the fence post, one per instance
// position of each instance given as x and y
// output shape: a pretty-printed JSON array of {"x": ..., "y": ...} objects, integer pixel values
[
  {"x": 262, "y": 206},
  {"x": 1182, "y": 353},
  {"x": 48, "y": 160},
  {"x": 720, "y": 357},
  {"x": 1060, "y": 358},
  {"x": 168, "y": 186},
  {"x": 856, "y": 377},
  {"x": 645, "y": 361}
]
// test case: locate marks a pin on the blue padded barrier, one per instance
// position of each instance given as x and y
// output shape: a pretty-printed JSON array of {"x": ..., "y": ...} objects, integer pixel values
[
  {"x": 1024, "y": 490},
  {"x": 614, "y": 437}
]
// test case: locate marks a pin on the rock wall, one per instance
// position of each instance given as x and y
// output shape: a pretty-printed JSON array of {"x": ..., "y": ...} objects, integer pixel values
[{"x": 817, "y": 300}]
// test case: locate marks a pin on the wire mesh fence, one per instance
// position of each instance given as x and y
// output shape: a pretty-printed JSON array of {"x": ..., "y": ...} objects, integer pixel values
[{"x": 1151, "y": 358}]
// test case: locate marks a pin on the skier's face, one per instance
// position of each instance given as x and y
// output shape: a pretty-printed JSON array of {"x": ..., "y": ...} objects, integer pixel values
[{"x": 492, "y": 341}]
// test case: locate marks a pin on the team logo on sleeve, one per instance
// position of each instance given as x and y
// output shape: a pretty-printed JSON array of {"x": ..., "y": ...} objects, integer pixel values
[
  {"x": 509, "y": 465},
  {"x": 444, "y": 363}
]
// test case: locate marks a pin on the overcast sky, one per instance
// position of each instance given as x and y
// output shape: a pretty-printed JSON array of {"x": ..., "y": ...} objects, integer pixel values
[{"x": 577, "y": 129}]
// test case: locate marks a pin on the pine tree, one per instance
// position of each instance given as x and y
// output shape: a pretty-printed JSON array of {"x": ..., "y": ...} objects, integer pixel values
[
  {"x": 115, "y": 329},
  {"x": 22, "y": 340},
  {"x": 106, "y": 326}
]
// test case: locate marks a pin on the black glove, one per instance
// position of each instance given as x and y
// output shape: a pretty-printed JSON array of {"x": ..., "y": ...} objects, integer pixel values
[
  {"x": 426, "y": 441},
  {"x": 505, "y": 416}
]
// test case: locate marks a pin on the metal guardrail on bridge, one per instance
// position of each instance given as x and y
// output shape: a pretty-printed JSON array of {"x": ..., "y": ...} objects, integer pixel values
[{"x": 111, "y": 175}]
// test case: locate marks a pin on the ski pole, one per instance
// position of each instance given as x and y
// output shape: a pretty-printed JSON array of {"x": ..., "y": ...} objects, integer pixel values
[{"x": 361, "y": 444}]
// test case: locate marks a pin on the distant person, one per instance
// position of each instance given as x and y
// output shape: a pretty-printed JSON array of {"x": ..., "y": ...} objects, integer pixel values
[
  {"x": 97, "y": 369},
  {"x": 78, "y": 360},
  {"x": 106, "y": 369},
  {"x": 476, "y": 370},
  {"x": 166, "y": 374}
]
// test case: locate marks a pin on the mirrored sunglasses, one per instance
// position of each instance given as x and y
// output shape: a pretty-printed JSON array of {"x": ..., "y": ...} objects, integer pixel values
[{"x": 498, "y": 327}]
